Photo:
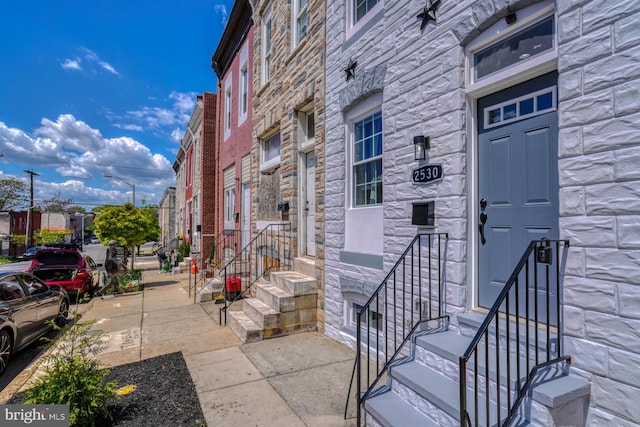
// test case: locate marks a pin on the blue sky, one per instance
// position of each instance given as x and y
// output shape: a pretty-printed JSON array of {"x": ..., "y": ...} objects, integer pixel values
[{"x": 95, "y": 87}]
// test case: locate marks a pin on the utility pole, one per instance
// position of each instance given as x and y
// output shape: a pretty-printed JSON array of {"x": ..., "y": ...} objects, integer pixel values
[{"x": 31, "y": 174}]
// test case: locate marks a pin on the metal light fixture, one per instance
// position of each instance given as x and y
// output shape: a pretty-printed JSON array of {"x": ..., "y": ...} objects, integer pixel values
[
  {"x": 421, "y": 144},
  {"x": 510, "y": 18}
]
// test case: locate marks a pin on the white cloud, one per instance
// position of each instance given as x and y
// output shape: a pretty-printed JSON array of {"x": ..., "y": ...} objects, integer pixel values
[
  {"x": 108, "y": 67},
  {"x": 161, "y": 118},
  {"x": 222, "y": 10},
  {"x": 73, "y": 149},
  {"x": 72, "y": 64},
  {"x": 132, "y": 127},
  {"x": 91, "y": 61}
]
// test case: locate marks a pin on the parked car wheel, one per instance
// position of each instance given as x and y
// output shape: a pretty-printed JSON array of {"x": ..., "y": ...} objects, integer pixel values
[
  {"x": 6, "y": 346},
  {"x": 63, "y": 313}
]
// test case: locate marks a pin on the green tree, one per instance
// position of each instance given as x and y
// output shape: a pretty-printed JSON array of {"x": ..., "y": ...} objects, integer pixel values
[
  {"x": 151, "y": 212},
  {"x": 126, "y": 224},
  {"x": 13, "y": 194},
  {"x": 49, "y": 237}
]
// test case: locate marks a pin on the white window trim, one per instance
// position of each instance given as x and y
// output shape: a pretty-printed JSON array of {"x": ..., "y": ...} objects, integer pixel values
[
  {"x": 305, "y": 143},
  {"x": 365, "y": 109},
  {"x": 536, "y": 111},
  {"x": 242, "y": 96},
  {"x": 266, "y": 17},
  {"x": 349, "y": 317},
  {"x": 509, "y": 76},
  {"x": 229, "y": 208},
  {"x": 295, "y": 14},
  {"x": 270, "y": 164},
  {"x": 354, "y": 27},
  {"x": 228, "y": 105}
]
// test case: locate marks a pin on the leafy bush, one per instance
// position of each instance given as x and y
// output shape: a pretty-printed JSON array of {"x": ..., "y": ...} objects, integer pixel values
[
  {"x": 73, "y": 378},
  {"x": 184, "y": 250}
]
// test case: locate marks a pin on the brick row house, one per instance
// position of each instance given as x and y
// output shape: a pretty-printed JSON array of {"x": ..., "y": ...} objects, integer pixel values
[
  {"x": 480, "y": 244},
  {"x": 195, "y": 201},
  {"x": 233, "y": 65}
]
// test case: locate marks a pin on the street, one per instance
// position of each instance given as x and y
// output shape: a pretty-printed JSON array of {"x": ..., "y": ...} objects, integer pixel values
[{"x": 22, "y": 359}]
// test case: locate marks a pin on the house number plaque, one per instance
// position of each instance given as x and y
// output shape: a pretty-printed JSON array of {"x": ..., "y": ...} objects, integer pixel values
[{"x": 427, "y": 174}]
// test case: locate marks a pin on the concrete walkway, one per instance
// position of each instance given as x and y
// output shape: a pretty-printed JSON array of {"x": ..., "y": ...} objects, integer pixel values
[{"x": 298, "y": 380}]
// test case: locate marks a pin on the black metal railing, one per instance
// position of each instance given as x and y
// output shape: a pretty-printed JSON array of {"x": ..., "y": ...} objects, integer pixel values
[
  {"x": 410, "y": 295},
  {"x": 521, "y": 334},
  {"x": 270, "y": 250},
  {"x": 208, "y": 262},
  {"x": 226, "y": 245}
]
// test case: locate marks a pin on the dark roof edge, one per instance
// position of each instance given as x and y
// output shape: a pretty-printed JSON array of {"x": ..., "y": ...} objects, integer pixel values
[{"x": 239, "y": 23}]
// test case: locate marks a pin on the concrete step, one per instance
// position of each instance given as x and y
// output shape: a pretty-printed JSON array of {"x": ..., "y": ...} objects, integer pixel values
[
  {"x": 283, "y": 301},
  {"x": 260, "y": 313},
  {"x": 245, "y": 328},
  {"x": 305, "y": 265},
  {"x": 390, "y": 410},
  {"x": 294, "y": 283},
  {"x": 430, "y": 381}
]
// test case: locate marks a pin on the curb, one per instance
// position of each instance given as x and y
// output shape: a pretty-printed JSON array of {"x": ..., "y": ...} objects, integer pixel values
[{"x": 21, "y": 380}]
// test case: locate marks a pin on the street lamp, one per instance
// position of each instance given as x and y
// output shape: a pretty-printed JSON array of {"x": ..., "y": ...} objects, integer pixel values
[
  {"x": 133, "y": 187},
  {"x": 133, "y": 198}
]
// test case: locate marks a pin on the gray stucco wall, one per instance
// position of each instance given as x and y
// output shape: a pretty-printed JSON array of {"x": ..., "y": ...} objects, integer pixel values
[{"x": 599, "y": 162}]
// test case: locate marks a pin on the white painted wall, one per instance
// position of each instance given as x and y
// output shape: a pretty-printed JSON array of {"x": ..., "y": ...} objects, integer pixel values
[{"x": 599, "y": 164}]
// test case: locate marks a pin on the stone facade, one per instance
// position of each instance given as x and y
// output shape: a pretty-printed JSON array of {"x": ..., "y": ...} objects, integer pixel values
[
  {"x": 421, "y": 78},
  {"x": 296, "y": 83}
]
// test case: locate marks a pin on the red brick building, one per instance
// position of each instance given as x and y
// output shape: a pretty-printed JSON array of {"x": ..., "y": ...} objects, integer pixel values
[{"x": 232, "y": 63}]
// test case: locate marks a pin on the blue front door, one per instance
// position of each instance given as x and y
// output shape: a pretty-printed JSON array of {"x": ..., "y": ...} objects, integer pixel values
[{"x": 518, "y": 178}]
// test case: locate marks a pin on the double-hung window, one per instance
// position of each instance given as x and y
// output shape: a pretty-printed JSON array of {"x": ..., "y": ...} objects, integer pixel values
[
  {"x": 227, "y": 108},
  {"x": 266, "y": 46},
  {"x": 244, "y": 89},
  {"x": 359, "y": 12},
  {"x": 300, "y": 21},
  {"x": 270, "y": 152},
  {"x": 366, "y": 168}
]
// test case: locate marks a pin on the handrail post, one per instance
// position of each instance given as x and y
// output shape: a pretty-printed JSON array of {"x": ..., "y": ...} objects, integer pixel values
[
  {"x": 463, "y": 390},
  {"x": 358, "y": 368}
]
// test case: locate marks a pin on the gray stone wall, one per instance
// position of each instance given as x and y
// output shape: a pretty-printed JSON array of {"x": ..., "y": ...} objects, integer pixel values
[
  {"x": 297, "y": 79},
  {"x": 599, "y": 168}
]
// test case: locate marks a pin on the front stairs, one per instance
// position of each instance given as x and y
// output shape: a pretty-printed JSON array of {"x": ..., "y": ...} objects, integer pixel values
[
  {"x": 283, "y": 304},
  {"x": 423, "y": 388}
]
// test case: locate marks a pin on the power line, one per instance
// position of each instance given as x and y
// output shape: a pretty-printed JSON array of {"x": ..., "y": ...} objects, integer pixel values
[{"x": 93, "y": 163}]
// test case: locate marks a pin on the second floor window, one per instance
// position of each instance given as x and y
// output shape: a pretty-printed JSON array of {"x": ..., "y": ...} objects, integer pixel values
[
  {"x": 244, "y": 89},
  {"x": 266, "y": 47},
  {"x": 270, "y": 152},
  {"x": 361, "y": 8},
  {"x": 300, "y": 20},
  {"x": 227, "y": 110}
]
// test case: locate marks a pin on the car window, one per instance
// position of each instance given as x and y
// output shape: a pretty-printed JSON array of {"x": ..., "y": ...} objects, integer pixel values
[
  {"x": 10, "y": 289},
  {"x": 58, "y": 258},
  {"x": 34, "y": 285}
]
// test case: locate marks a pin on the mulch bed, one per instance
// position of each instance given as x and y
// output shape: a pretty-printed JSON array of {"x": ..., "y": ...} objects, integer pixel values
[{"x": 164, "y": 396}]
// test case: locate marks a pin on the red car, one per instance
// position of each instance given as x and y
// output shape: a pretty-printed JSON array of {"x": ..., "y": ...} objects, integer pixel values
[{"x": 76, "y": 274}]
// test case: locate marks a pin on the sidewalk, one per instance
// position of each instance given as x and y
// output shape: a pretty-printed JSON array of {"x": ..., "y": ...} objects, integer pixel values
[{"x": 298, "y": 380}]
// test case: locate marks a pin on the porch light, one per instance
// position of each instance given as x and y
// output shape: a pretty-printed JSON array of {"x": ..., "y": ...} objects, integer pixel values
[{"x": 420, "y": 145}]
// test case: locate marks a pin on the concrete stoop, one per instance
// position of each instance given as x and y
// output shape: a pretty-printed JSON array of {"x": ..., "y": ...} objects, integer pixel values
[
  {"x": 283, "y": 305},
  {"x": 424, "y": 390},
  {"x": 211, "y": 289}
]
